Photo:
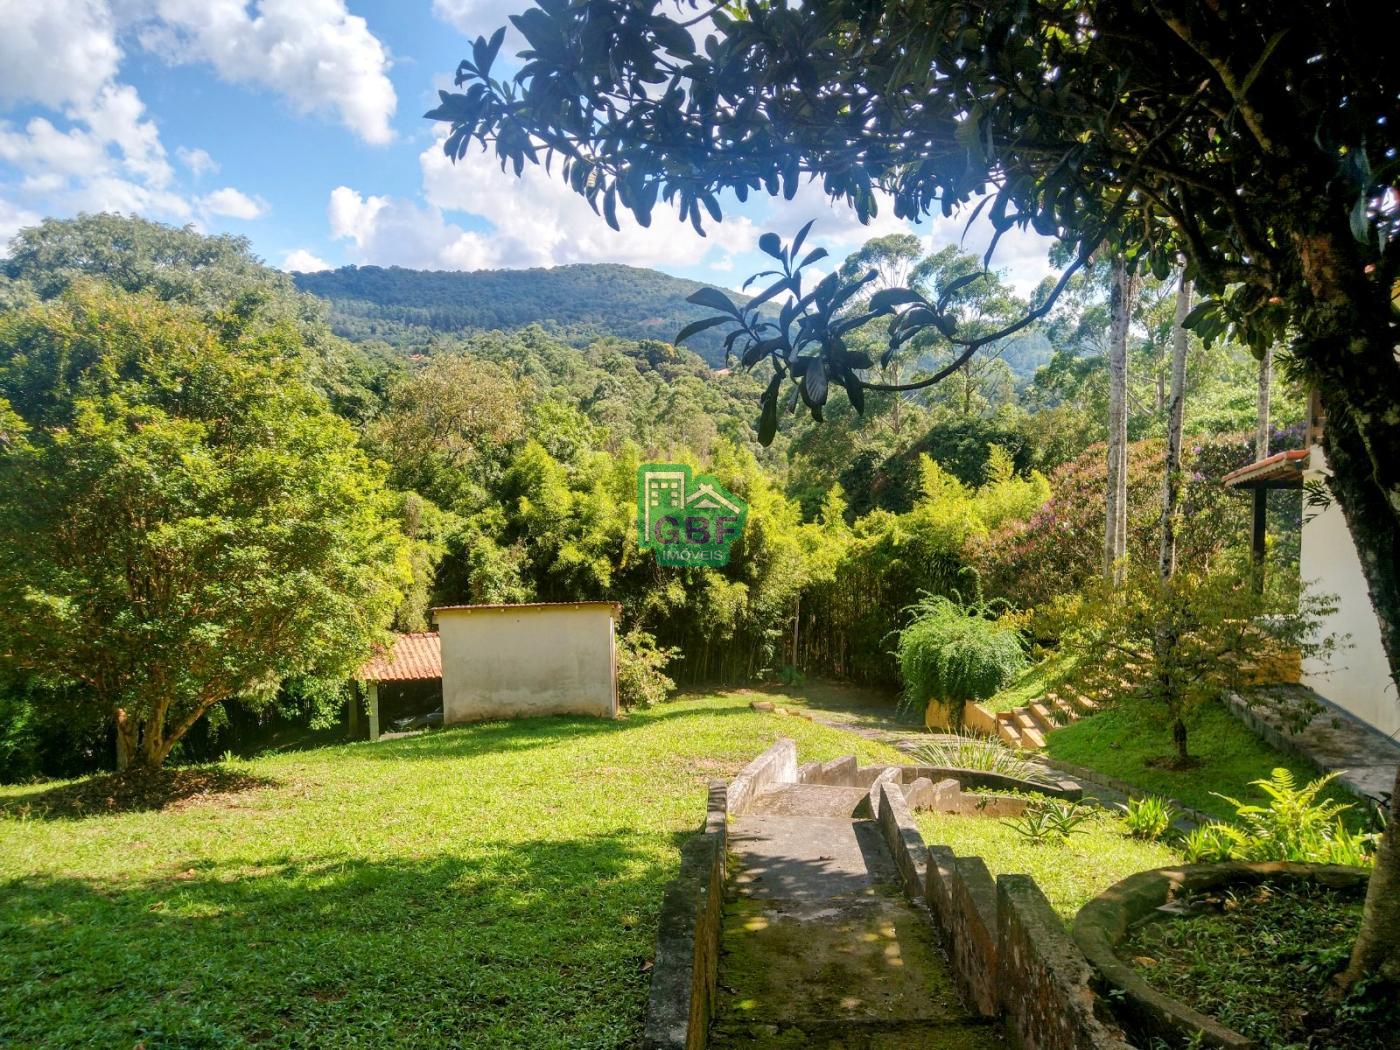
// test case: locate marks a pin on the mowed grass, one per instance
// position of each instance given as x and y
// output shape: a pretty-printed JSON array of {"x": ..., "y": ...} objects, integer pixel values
[
  {"x": 1069, "y": 873},
  {"x": 490, "y": 886},
  {"x": 1119, "y": 742}
]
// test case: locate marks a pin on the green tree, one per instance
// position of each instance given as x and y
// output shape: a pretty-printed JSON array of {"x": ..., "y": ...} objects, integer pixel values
[
  {"x": 183, "y": 520},
  {"x": 213, "y": 274}
]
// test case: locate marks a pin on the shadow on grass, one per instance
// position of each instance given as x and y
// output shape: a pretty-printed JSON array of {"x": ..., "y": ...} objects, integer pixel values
[
  {"x": 512, "y": 944},
  {"x": 524, "y": 734},
  {"x": 134, "y": 791}
]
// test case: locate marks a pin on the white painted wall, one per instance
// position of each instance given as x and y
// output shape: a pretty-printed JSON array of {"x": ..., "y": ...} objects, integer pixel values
[
  {"x": 1356, "y": 678},
  {"x": 515, "y": 661}
]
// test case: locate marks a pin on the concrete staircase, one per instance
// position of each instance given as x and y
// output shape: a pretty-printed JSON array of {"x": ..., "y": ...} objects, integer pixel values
[
  {"x": 820, "y": 947},
  {"x": 1025, "y": 727}
]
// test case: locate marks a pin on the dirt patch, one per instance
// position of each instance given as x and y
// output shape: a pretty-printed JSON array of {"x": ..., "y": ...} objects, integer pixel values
[{"x": 135, "y": 791}]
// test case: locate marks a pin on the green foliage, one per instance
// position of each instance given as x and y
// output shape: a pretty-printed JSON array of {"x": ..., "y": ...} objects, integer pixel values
[
  {"x": 1205, "y": 844},
  {"x": 641, "y": 667},
  {"x": 412, "y": 307},
  {"x": 1182, "y": 641},
  {"x": 1263, "y": 960},
  {"x": 1123, "y": 742},
  {"x": 219, "y": 277},
  {"x": 1070, "y": 872},
  {"x": 1148, "y": 817},
  {"x": 1296, "y": 824},
  {"x": 1051, "y": 820},
  {"x": 979, "y": 753},
  {"x": 951, "y": 654},
  {"x": 183, "y": 519}
]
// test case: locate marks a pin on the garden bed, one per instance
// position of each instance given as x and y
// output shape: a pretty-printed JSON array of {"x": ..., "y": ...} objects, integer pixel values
[
  {"x": 1260, "y": 959},
  {"x": 1190, "y": 955}
]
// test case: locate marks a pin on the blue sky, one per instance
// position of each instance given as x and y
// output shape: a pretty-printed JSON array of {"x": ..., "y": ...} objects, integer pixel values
[{"x": 298, "y": 124}]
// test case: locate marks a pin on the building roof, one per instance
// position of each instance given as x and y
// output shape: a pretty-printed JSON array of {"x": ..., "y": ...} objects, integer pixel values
[
  {"x": 616, "y": 607},
  {"x": 412, "y": 657},
  {"x": 1282, "y": 470}
]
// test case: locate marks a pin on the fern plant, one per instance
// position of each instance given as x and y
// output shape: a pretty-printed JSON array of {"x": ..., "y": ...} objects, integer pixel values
[
  {"x": 1296, "y": 825},
  {"x": 952, "y": 654}
]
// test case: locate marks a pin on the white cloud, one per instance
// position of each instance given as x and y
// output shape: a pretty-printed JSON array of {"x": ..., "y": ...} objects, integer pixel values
[
  {"x": 53, "y": 52},
  {"x": 313, "y": 52},
  {"x": 539, "y": 221},
  {"x": 197, "y": 161},
  {"x": 233, "y": 204},
  {"x": 473, "y": 18},
  {"x": 302, "y": 261}
]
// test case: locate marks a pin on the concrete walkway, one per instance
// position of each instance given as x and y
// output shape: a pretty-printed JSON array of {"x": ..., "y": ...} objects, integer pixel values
[
  {"x": 820, "y": 947},
  {"x": 1295, "y": 719}
]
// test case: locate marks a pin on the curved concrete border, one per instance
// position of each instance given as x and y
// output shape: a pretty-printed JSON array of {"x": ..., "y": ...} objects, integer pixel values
[
  {"x": 1105, "y": 921},
  {"x": 974, "y": 779}
]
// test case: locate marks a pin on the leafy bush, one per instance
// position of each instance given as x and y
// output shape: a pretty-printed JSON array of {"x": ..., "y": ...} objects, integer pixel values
[
  {"x": 641, "y": 677},
  {"x": 1148, "y": 817},
  {"x": 953, "y": 654},
  {"x": 979, "y": 753},
  {"x": 1206, "y": 844},
  {"x": 1295, "y": 825}
]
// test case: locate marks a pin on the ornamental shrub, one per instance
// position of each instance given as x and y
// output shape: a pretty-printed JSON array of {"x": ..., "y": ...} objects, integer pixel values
[
  {"x": 641, "y": 677},
  {"x": 951, "y": 654}
]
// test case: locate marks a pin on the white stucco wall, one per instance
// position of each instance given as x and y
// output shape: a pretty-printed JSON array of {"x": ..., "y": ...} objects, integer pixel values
[
  {"x": 1358, "y": 677},
  {"x": 513, "y": 661}
]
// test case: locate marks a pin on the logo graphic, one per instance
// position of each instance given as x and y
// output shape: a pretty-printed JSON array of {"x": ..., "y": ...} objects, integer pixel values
[{"x": 687, "y": 521}]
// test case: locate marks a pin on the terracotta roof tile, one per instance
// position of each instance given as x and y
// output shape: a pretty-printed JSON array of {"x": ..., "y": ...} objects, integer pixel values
[
  {"x": 1280, "y": 467},
  {"x": 413, "y": 658}
]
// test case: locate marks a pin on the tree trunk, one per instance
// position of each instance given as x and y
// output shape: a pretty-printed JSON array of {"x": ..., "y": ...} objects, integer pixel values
[
  {"x": 128, "y": 735},
  {"x": 1116, "y": 506},
  {"x": 1377, "y": 948},
  {"x": 1266, "y": 379},
  {"x": 1176, "y": 414},
  {"x": 1349, "y": 350},
  {"x": 1179, "y": 739}
]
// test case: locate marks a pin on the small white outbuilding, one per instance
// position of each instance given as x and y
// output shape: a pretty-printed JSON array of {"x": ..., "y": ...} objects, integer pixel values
[{"x": 512, "y": 661}]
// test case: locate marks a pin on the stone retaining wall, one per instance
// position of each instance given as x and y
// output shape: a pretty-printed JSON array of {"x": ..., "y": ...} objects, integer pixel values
[
  {"x": 687, "y": 938},
  {"x": 1009, "y": 950}
]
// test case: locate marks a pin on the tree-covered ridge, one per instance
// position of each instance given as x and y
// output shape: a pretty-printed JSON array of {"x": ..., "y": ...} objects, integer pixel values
[{"x": 405, "y": 307}]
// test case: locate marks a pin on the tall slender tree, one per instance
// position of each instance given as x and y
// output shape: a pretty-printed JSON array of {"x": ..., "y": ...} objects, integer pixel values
[
  {"x": 1122, "y": 290},
  {"x": 1266, "y": 382}
]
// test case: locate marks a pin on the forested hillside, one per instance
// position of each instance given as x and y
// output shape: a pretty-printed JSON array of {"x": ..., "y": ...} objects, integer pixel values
[{"x": 406, "y": 307}]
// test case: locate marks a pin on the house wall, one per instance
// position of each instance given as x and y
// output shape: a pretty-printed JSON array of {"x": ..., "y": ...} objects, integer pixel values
[
  {"x": 1356, "y": 678},
  {"x": 516, "y": 661}
]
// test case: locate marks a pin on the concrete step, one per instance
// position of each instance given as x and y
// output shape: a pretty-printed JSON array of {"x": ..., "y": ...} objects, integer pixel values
[
  {"x": 1009, "y": 733},
  {"x": 1064, "y": 711},
  {"x": 1023, "y": 720},
  {"x": 973, "y": 1034},
  {"x": 811, "y": 800},
  {"x": 1032, "y": 739},
  {"x": 1041, "y": 715}
]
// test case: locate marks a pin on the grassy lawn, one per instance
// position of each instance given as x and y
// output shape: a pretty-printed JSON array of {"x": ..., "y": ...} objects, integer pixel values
[
  {"x": 1069, "y": 873},
  {"x": 1119, "y": 741},
  {"x": 491, "y": 886},
  {"x": 1032, "y": 683}
]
